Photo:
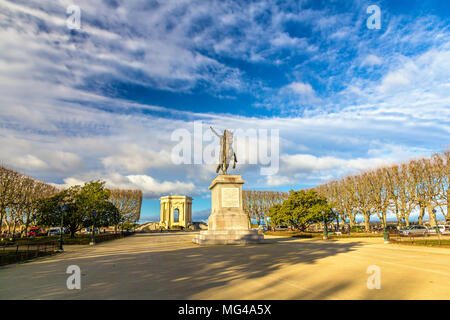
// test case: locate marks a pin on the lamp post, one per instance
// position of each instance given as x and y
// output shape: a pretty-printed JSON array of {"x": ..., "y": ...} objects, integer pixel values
[
  {"x": 63, "y": 210},
  {"x": 93, "y": 229},
  {"x": 325, "y": 231},
  {"x": 438, "y": 232}
]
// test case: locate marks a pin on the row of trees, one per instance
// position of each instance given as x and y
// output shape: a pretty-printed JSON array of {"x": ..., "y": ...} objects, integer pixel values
[
  {"x": 257, "y": 203},
  {"x": 19, "y": 194},
  {"x": 420, "y": 184},
  {"x": 26, "y": 202},
  {"x": 79, "y": 207}
]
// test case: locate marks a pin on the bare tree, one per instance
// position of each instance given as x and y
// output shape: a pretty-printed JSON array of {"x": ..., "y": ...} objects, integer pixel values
[
  {"x": 128, "y": 202},
  {"x": 442, "y": 163},
  {"x": 378, "y": 192},
  {"x": 406, "y": 182},
  {"x": 400, "y": 189},
  {"x": 257, "y": 203},
  {"x": 8, "y": 178},
  {"x": 18, "y": 196}
]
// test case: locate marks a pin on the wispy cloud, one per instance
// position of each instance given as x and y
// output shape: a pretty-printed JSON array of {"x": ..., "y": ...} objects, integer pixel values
[{"x": 102, "y": 102}]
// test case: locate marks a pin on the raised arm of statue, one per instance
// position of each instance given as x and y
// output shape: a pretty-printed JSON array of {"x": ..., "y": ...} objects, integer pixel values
[{"x": 220, "y": 136}]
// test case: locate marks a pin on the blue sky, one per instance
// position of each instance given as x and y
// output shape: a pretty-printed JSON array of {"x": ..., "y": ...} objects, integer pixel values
[{"x": 102, "y": 102}]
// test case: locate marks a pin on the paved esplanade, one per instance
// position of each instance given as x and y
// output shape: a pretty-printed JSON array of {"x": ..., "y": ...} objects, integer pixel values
[{"x": 170, "y": 266}]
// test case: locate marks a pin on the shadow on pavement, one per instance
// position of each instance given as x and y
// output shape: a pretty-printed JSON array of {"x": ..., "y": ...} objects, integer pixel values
[{"x": 149, "y": 268}]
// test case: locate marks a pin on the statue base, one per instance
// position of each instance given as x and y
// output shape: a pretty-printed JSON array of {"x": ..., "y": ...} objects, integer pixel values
[
  {"x": 228, "y": 237},
  {"x": 228, "y": 223}
]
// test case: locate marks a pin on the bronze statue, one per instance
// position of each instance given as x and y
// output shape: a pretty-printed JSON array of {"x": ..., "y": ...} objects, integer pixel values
[{"x": 226, "y": 151}]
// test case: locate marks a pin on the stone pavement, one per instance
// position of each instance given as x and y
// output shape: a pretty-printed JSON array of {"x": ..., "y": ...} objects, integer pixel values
[{"x": 170, "y": 266}]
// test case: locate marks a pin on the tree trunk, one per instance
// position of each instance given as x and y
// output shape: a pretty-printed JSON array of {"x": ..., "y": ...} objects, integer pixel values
[
  {"x": 432, "y": 215},
  {"x": 399, "y": 218},
  {"x": 407, "y": 220},
  {"x": 422, "y": 213},
  {"x": 352, "y": 220},
  {"x": 265, "y": 220},
  {"x": 446, "y": 217},
  {"x": 72, "y": 231},
  {"x": 2, "y": 213},
  {"x": 384, "y": 219},
  {"x": 367, "y": 222},
  {"x": 27, "y": 224}
]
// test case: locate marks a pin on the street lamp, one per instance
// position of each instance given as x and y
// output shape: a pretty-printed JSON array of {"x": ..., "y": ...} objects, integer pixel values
[
  {"x": 325, "y": 231},
  {"x": 63, "y": 210},
  {"x": 93, "y": 229}
]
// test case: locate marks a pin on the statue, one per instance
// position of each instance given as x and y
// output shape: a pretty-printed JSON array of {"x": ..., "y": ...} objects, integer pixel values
[
  {"x": 226, "y": 151},
  {"x": 228, "y": 223}
]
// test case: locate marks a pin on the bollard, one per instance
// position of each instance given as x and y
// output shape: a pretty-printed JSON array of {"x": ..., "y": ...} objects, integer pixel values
[{"x": 386, "y": 237}]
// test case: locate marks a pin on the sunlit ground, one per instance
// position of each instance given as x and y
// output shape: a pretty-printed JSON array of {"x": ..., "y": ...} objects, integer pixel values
[{"x": 170, "y": 266}]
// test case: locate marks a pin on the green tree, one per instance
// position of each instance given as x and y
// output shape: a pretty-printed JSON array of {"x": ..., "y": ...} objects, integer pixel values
[
  {"x": 301, "y": 209},
  {"x": 107, "y": 214},
  {"x": 91, "y": 197},
  {"x": 77, "y": 205},
  {"x": 49, "y": 211}
]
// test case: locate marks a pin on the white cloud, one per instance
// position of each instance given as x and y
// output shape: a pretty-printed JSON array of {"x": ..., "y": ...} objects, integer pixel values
[
  {"x": 30, "y": 162},
  {"x": 394, "y": 81},
  {"x": 64, "y": 161},
  {"x": 136, "y": 159},
  {"x": 284, "y": 40},
  {"x": 164, "y": 61},
  {"x": 307, "y": 163},
  {"x": 277, "y": 181},
  {"x": 50, "y": 125},
  {"x": 302, "y": 88},
  {"x": 151, "y": 187},
  {"x": 371, "y": 60}
]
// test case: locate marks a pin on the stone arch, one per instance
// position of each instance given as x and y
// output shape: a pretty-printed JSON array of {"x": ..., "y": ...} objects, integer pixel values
[{"x": 173, "y": 207}]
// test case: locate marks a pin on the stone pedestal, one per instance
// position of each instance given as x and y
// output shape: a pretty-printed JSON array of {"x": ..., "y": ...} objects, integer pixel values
[{"x": 228, "y": 223}]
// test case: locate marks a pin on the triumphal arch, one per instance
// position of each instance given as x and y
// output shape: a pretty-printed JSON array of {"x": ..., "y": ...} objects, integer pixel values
[{"x": 176, "y": 212}]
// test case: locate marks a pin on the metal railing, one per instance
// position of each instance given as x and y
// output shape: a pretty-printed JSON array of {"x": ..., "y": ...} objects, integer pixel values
[
  {"x": 111, "y": 236},
  {"x": 11, "y": 253},
  {"x": 427, "y": 239}
]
